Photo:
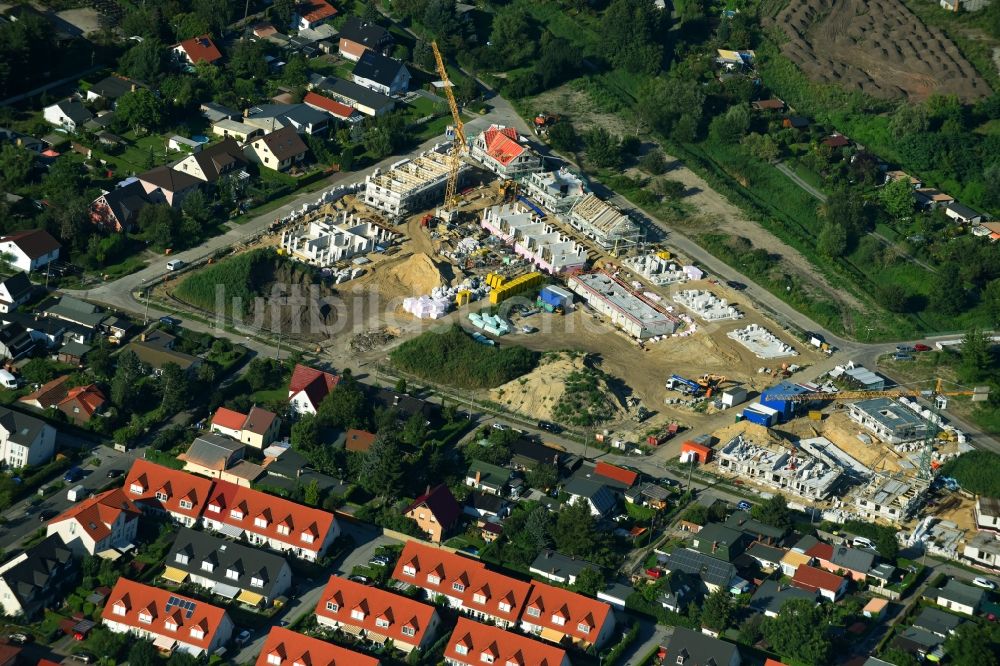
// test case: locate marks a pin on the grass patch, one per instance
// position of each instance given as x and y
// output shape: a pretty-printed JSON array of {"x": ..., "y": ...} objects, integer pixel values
[{"x": 451, "y": 357}]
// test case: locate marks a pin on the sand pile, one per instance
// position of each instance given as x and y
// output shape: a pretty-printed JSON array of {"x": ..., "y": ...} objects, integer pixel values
[
  {"x": 757, "y": 434},
  {"x": 539, "y": 394},
  {"x": 414, "y": 276}
]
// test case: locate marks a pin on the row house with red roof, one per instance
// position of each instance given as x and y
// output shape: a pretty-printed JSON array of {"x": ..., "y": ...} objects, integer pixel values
[
  {"x": 232, "y": 510},
  {"x": 285, "y": 647},
  {"x": 162, "y": 490},
  {"x": 267, "y": 520},
  {"x": 504, "y": 152},
  {"x": 103, "y": 522},
  {"x": 473, "y": 644},
  {"x": 376, "y": 615},
  {"x": 556, "y": 614},
  {"x": 465, "y": 583},
  {"x": 170, "y": 621},
  {"x": 307, "y": 388}
]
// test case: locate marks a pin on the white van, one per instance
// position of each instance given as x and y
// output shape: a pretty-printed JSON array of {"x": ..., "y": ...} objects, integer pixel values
[
  {"x": 8, "y": 380},
  {"x": 76, "y": 493},
  {"x": 862, "y": 542},
  {"x": 175, "y": 264}
]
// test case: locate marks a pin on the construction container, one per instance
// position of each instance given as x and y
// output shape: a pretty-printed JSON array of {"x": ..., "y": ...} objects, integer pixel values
[
  {"x": 777, "y": 396},
  {"x": 700, "y": 452},
  {"x": 734, "y": 396},
  {"x": 761, "y": 415},
  {"x": 513, "y": 287},
  {"x": 815, "y": 415},
  {"x": 556, "y": 296}
]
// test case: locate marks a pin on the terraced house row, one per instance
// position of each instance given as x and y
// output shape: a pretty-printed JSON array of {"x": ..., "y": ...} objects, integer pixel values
[{"x": 231, "y": 510}]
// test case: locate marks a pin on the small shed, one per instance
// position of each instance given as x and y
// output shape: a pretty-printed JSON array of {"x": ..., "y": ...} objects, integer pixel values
[
  {"x": 875, "y": 609},
  {"x": 178, "y": 142}
]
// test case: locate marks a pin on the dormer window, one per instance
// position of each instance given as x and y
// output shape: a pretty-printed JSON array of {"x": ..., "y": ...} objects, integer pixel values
[
  {"x": 119, "y": 609},
  {"x": 260, "y": 521},
  {"x": 358, "y": 614},
  {"x": 145, "y": 617},
  {"x": 186, "y": 504},
  {"x": 534, "y": 611},
  {"x": 207, "y": 566},
  {"x": 307, "y": 537},
  {"x": 182, "y": 558},
  {"x": 504, "y": 607},
  {"x": 583, "y": 627},
  {"x": 236, "y": 513},
  {"x": 479, "y": 598},
  {"x": 162, "y": 496},
  {"x": 409, "y": 631},
  {"x": 332, "y": 606},
  {"x": 409, "y": 570},
  {"x": 458, "y": 587},
  {"x": 283, "y": 530},
  {"x": 198, "y": 633},
  {"x": 232, "y": 574},
  {"x": 558, "y": 620},
  {"x": 136, "y": 489},
  {"x": 486, "y": 658},
  {"x": 256, "y": 581},
  {"x": 170, "y": 625},
  {"x": 274, "y": 659},
  {"x": 214, "y": 508},
  {"x": 433, "y": 579},
  {"x": 381, "y": 622},
  {"x": 461, "y": 648}
]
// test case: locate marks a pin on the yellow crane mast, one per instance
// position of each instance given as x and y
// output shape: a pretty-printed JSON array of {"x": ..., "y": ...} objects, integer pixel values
[{"x": 458, "y": 146}]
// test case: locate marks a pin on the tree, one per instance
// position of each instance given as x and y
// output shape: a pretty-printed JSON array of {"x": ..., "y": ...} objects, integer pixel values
[
  {"x": 158, "y": 224},
  {"x": 897, "y": 199},
  {"x": 142, "y": 653},
  {"x": 106, "y": 643},
  {"x": 603, "y": 148},
  {"x": 832, "y": 240},
  {"x": 311, "y": 493},
  {"x": 697, "y": 514},
  {"x": 345, "y": 407},
  {"x": 630, "y": 30},
  {"x": 139, "y": 110},
  {"x": 15, "y": 166},
  {"x": 908, "y": 119},
  {"x": 563, "y": 137},
  {"x": 441, "y": 19},
  {"x": 799, "y": 632},
  {"x": 305, "y": 434},
  {"x": 899, "y": 657},
  {"x": 730, "y": 127},
  {"x": 947, "y": 293},
  {"x": 414, "y": 430},
  {"x": 543, "y": 477},
  {"x": 247, "y": 60},
  {"x": 971, "y": 645},
  {"x": 38, "y": 371},
  {"x": 669, "y": 188},
  {"x": 370, "y": 13},
  {"x": 282, "y": 11},
  {"x": 382, "y": 468},
  {"x": 653, "y": 163},
  {"x": 146, "y": 61},
  {"x": 976, "y": 361},
  {"x": 176, "y": 388},
  {"x": 123, "y": 384},
  {"x": 773, "y": 511},
  {"x": 575, "y": 532},
  {"x": 717, "y": 611},
  {"x": 263, "y": 373},
  {"x": 512, "y": 39},
  {"x": 401, "y": 385},
  {"x": 991, "y": 299},
  {"x": 894, "y": 297},
  {"x": 590, "y": 581}
]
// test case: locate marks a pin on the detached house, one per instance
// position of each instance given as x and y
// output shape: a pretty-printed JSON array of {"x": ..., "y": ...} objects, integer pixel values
[
  {"x": 231, "y": 570},
  {"x": 437, "y": 512},
  {"x": 503, "y": 151},
  {"x": 213, "y": 162},
  {"x": 257, "y": 428},
  {"x": 332, "y": 107},
  {"x": 365, "y": 100},
  {"x": 305, "y": 119},
  {"x": 78, "y": 403},
  {"x": 311, "y": 13},
  {"x": 357, "y": 36},
  {"x": 112, "y": 88},
  {"x": 69, "y": 114},
  {"x": 381, "y": 73},
  {"x": 35, "y": 579},
  {"x": 15, "y": 291},
  {"x": 30, "y": 250},
  {"x": 958, "y": 597},
  {"x": 557, "y": 615},
  {"x": 25, "y": 440},
  {"x": 168, "y": 186},
  {"x": 118, "y": 209},
  {"x": 159, "y": 489},
  {"x": 103, "y": 522},
  {"x": 693, "y": 648},
  {"x": 812, "y": 579},
  {"x": 962, "y": 214},
  {"x": 211, "y": 455},
  {"x": 170, "y": 621},
  {"x": 308, "y": 387},
  {"x": 473, "y": 644},
  {"x": 269, "y": 521},
  {"x": 466, "y": 584},
  {"x": 376, "y": 615},
  {"x": 197, "y": 50},
  {"x": 285, "y": 647},
  {"x": 278, "y": 151}
]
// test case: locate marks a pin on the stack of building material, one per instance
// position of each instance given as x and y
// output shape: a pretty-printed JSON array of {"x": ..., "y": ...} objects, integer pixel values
[
  {"x": 427, "y": 307},
  {"x": 492, "y": 324}
]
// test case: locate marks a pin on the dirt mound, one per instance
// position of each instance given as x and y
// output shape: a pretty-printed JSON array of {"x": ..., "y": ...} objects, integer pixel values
[
  {"x": 751, "y": 431},
  {"x": 562, "y": 383},
  {"x": 878, "y": 47},
  {"x": 414, "y": 276}
]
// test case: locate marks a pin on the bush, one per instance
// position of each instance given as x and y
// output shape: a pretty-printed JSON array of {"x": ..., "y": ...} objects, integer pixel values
[
  {"x": 976, "y": 471},
  {"x": 452, "y": 357}
]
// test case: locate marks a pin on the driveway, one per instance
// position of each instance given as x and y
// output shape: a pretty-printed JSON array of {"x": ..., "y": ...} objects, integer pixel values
[{"x": 367, "y": 538}]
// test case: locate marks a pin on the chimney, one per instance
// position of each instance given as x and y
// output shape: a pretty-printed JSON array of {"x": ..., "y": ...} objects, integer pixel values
[
  {"x": 479, "y": 476},
  {"x": 298, "y": 473},
  {"x": 133, "y": 87},
  {"x": 20, "y": 142},
  {"x": 246, "y": 113},
  {"x": 715, "y": 546},
  {"x": 427, "y": 491}
]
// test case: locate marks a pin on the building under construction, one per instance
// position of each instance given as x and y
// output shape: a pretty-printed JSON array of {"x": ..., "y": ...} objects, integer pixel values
[
  {"x": 538, "y": 242},
  {"x": 891, "y": 497},
  {"x": 629, "y": 310},
  {"x": 558, "y": 191},
  {"x": 412, "y": 185},
  {"x": 329, "y": 239},
  {"x": 603, "y": 223},
  {"x": 807, "y": 471}
]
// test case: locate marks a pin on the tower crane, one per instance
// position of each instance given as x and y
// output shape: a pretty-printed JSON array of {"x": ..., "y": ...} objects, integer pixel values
[
  {"x": 978, "y": 394},
  {"x": 458, "y": 146}
]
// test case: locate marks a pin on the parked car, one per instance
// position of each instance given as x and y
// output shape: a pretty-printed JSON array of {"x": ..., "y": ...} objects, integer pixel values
[
  {"x": 738, "y": 286},
  {"x": 501, "y": 426},
  {"x": 902, "y": 356},
  {"x": 744, "y": 505},
  {"x": 379, "y": 561},
  {"x": 921, "y": 348},
  {"x": 73, "y": 474},
  {"x": 984, "y": 583},
  {"x": 243, "y": 637},
  {"x": 85, "y": 657},
  {"x": 114, "y": 473},
  {"x": 170, "y": 321},
  {"x": 19, "y": 638},
  {"x": 654, "y": 572},
  {"x": 905, "y": 348},
  {"x": 548, "y": 426},
  {"x": 47, "y": 515},
  {"x": 364, "y": 580}
]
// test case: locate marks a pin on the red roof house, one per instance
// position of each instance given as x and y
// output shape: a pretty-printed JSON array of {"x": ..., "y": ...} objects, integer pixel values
[
  {"x": 436, "y": 512},
  {"x": 257, "y": 428},
  {"x": 162, "y": 489},
  {"x": 269, "y": 521},
  {"x": 198, "y": 49},
  {"x": 308, "y": 387},
  {"x": 500, "y": 150},
  {"x": 359, "y": 441},
  {"x": 813, "y": 579},
  {"x": 311, "y": 13},
  {"x": 473, "y": 644},
  {"x": 609, "y": 471},
  {"x": 557, "y": 614},
  {"x": 323, "y": 103},
  {"x": 381, "y": 615},
  {"x": 99, "y": 523},
  {"x": 171, "y": 621},
  {"x": 285, "y": 647},
  {"x": 467, "y": 583}
]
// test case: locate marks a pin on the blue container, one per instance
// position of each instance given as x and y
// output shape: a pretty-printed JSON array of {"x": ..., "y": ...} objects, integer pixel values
[{"x": 766, "y": 420}]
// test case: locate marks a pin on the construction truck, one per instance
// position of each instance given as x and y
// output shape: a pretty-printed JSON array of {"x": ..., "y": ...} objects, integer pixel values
[
  {"x": 710, "y": 383},
  {"x": 684, "y": 385}
]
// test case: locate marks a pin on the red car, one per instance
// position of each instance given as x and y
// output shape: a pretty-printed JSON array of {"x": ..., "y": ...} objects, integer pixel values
[
  {"x": 921, "y": 348},
  {"x": 654, "y": 573}
]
